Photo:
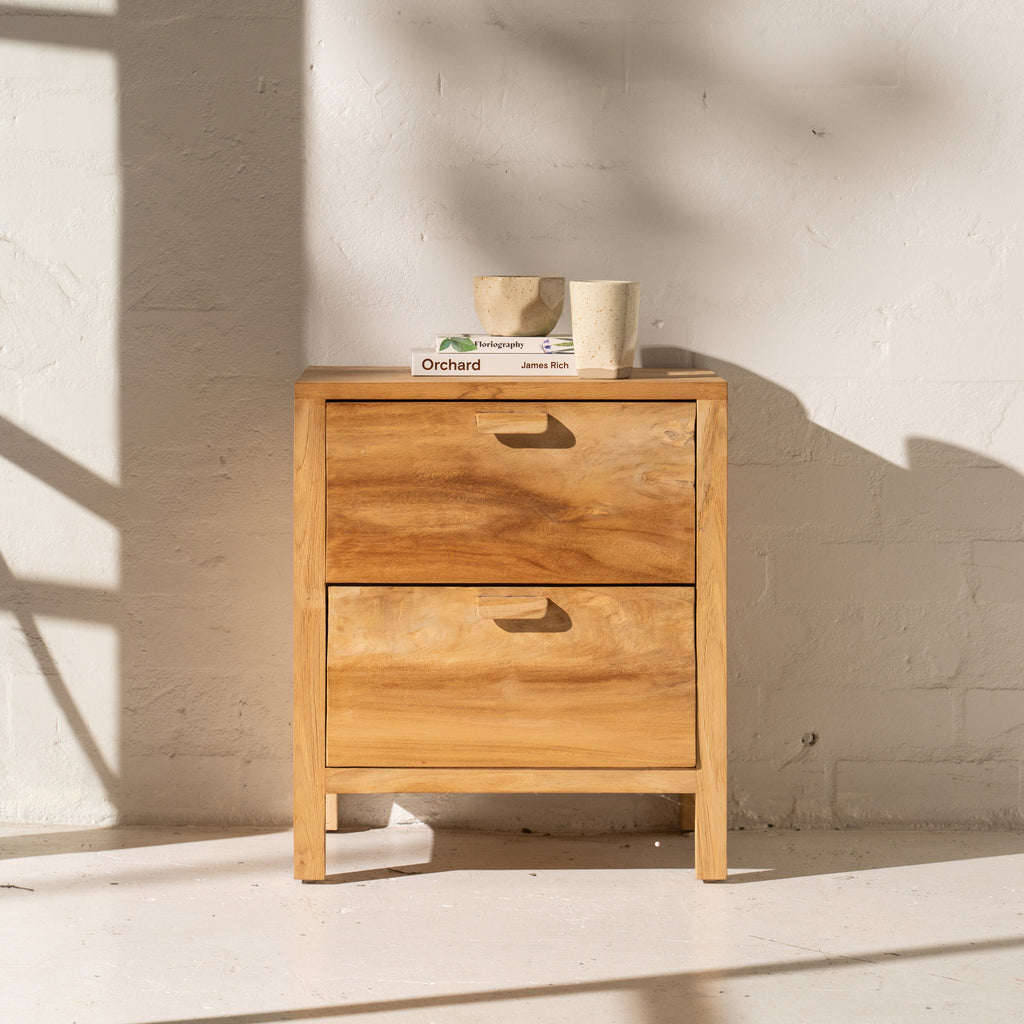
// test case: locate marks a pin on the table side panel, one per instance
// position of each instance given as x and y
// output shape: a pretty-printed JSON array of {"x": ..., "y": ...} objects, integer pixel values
[
  {"x": 711, "y": 797},
  {"x": 309, "y": 638}
]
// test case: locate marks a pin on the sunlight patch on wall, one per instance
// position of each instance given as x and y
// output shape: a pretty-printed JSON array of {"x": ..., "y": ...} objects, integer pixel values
[
  {"x": 60, "y": 396},
  {"x": 48, "y": 538}
]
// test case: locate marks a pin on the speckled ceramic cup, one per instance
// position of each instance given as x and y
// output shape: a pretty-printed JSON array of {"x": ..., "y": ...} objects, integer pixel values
[
  {"x": 519, "y": 307},
  {"x": 605, "y": 319}
]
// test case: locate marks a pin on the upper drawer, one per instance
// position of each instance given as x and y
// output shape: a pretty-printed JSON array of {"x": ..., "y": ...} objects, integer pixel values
[{"x": 571, "y": 492}]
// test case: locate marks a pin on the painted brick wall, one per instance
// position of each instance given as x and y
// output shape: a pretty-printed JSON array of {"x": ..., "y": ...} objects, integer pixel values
[{"x": 821, "y": 201}]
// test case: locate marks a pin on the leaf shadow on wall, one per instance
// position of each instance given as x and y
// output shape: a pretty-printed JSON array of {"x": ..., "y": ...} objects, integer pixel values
[{"x": 614, "y": 141}]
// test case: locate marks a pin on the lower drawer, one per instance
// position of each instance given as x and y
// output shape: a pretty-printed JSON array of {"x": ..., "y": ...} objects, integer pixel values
[{"x": 538, "y": 677}]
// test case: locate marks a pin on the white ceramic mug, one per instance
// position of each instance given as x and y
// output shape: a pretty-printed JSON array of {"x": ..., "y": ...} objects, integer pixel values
[{"x": 605, "y": 320}]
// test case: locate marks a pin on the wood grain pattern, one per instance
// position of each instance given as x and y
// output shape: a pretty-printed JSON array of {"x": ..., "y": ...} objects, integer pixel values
[
  {"x": 711, "y": 795},
  {"x": 505, "y": 606},
  {"x": 331, "y": 809},
  {"x": 417, "y": 495},
  {"x": 511, "y": 780},
  {"x": 687, "y": 810},
  {"x": 381, "y": 383},
  {"x": 309, "y": 638},
  {"x": 416, "y": 679},
  {"x": 512, "y": 422}
]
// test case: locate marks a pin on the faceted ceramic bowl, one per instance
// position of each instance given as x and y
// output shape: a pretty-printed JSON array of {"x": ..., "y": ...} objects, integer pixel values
[{"x": 519, "y": 306}]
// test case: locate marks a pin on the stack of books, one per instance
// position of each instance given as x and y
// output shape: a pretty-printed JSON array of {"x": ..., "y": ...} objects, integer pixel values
[{"x": 484, "y": 355}]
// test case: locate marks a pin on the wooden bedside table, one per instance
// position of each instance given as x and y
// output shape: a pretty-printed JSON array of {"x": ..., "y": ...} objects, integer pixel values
[{"x": 510, "y": 585}]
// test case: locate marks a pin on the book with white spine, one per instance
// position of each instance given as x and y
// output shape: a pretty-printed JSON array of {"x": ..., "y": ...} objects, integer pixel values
[
  {"x": 550, "y": 345},
  {"x": 428, "y": 363}
]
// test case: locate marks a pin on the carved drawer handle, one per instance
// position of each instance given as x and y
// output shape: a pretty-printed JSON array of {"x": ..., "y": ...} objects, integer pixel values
[
  {"x": 497, "y": 607},
  {"x": 512, "y": 422}
]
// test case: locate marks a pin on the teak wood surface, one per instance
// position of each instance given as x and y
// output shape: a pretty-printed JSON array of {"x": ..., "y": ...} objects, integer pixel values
[
  {"x": 385, "y": 383},
  {"x": 315, "y": 391},
  {"x": 711, "y": 793},
  {"x": 415, "y": 677},
  {"x": 417, "y": 494},
  {"x": 310, "y": 643},
  {"x": 511, "y": 780}
]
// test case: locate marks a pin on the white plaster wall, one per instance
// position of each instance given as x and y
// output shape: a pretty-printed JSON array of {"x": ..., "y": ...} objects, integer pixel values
[
  {"x": 821, "y": 201},
  {"x": 150, "y": 325}
]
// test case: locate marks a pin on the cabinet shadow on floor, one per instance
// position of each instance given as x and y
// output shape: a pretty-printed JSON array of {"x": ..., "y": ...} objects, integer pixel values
[{"x": 754, "y": 856}]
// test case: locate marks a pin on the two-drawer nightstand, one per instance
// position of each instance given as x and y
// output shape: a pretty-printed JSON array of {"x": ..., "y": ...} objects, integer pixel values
[{"x": 510, "y": 585}]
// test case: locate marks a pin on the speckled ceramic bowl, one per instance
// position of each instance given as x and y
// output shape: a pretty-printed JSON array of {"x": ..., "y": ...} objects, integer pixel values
[
  {"x": 605, "y": 319},
  {"x": 519, "y": 306}
]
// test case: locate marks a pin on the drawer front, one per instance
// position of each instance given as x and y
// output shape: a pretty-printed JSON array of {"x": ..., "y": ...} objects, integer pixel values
[
  {"x": 521, "y": 492},
  {"x": 542, "y": 677}
]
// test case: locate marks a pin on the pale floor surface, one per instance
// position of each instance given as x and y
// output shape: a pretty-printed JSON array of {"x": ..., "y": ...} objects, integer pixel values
[{"x": 139, "y": 926}]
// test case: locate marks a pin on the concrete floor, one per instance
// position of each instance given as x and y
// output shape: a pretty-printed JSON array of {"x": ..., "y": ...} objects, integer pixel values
[{"x": 138, "y": 926}]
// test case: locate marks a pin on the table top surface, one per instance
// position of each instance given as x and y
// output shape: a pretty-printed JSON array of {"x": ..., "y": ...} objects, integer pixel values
[{"x": 392, "y": 382}]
